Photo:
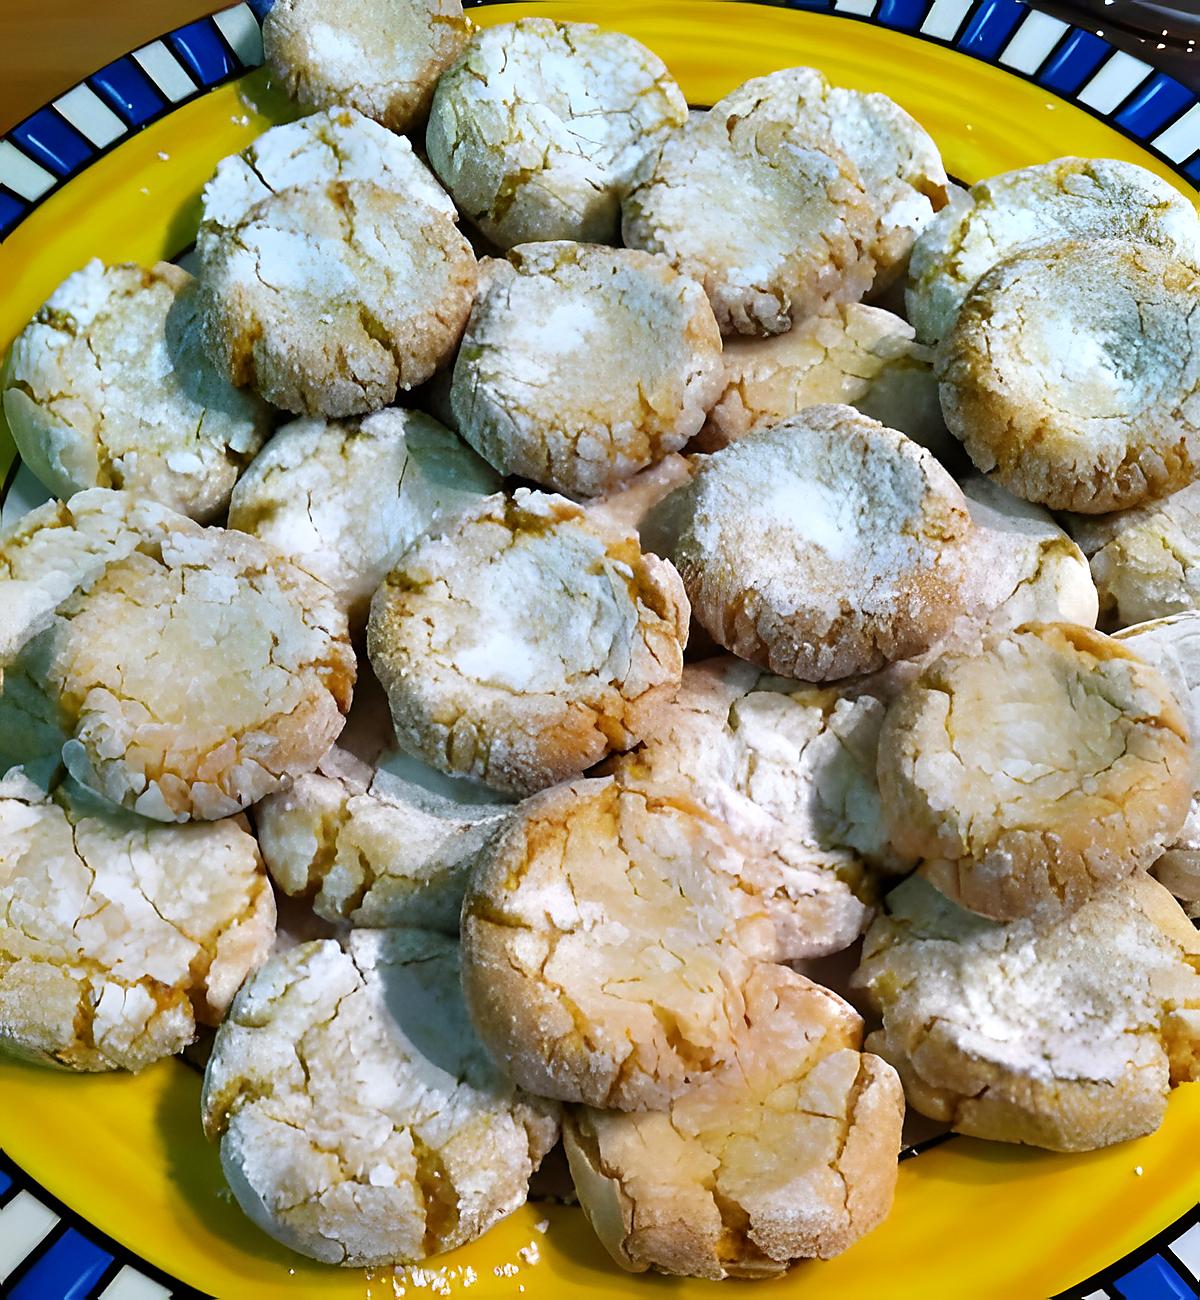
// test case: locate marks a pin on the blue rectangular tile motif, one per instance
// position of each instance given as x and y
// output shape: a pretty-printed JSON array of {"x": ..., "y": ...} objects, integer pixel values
[
  {"x": 1077, "y": 58},
  {"x": 1153, "y": 1280},
  {"x": 260, "y": 8},
  {"x": 67, "y": 1271},
  {"x": 905, "y": 14},
  {"x": 201, "y": 50},
  {"x": 52, "y": 141},
  {"x": 12, "y": 210},
  {"x": 126, "y": 88},
  {"x": 992, "y": 25},
  {"x": 1158, "y": 101}
]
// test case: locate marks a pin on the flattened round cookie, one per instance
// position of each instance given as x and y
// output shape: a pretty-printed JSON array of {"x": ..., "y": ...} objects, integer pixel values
[
  {"x": 109, "y": 386},
  {"x": 1072, "y": 374},
  {"x": 788, "y": 1153},
  {"x": 382, "y": 59},
  {"x": 538, "y": 127},
  {"x": 360, "y": 1119},
  {"x": 772, "y": 230},
  {"x": 330, "y": 298},
  {"x": 522, "y": 642},
  {"x": 1036, "y": 772},
  {"x": 823, "y": 546},
  {"x": 344, "y": 499},
  {"x": 631, "y": 350},
  {"x": 1066, "y": 1035},
  {"x": 1069, "y": 198},
  {"x": 117, "y": 934}
]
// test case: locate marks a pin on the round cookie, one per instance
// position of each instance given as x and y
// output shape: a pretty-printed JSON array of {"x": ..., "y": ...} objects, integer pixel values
[
  {"x": 538, "y": 126},
  {"x": 1065, "y": 1035},
  {"x": 118, "y": 935},
  {"x": 382, "y": 59},
  {"x": 109, "y": 386},
  {"x": 360, "y": 1120},
  {"x": 344, "y": 499},
  {"x": 633, "y": 349},
  {"x": 1069, "y": 198},
  {"x": 607, "y": 942},
  {"x": 788, "y": 1153},
  {"x": 522, "y": 642},
  {"x": 1032, "y": 774},
  {"x": 823, "y": 546},
  {"x": 1072, "y": 374},
  {"x": 773, "y": 230},
  {"x": 329, "y": 298}
]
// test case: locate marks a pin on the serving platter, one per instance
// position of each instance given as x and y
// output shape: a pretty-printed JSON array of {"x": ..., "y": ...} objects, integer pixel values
[{"x": 107, "y": 1185}]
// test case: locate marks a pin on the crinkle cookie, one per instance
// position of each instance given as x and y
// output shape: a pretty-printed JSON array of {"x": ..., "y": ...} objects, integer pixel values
[
  {"x": 109, "y": 386},
  {"x": 581, "y": 364},
  {"x": 344, "y": 499},
  {"x": 607, "y": 942},
  {"x": 1032, "y": 774},
  {"x": 331, "y": 298},
  {"x": 1065, "y": 1035},
  {"x": 850, "y": 354},
  {"x": 522, "y": 642},
  {"x": 381, "y": 57},
  {"x": 773, "y": 230},
  {"x": 360, "y": 1119},
  {"x": 1070, "y": 198},
  {"x": 1072, "y": 374},
  {"x": 898, "y": 161},
  {"x": 822, "y": 546},
  {"x": 118, "y": 934},
  {"x": 787, "y": 1153},
  {"x": 376, "y": 845},
  {"x": 539, "y": 125}
]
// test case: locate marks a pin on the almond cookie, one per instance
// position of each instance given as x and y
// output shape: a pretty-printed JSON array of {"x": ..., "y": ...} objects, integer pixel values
[
  {"x": 384, "y": 844},
  {"x": 1036, "y": 772},
  {"x": 1066, "y": 1035},
  {"x": 108, "y": 386},
  {"x": 344, "y": 499},
  {"x": 630, "y": 345},
  {"x": 773, "y": 230},
  {"x": 117, "y": 934},
  {"x": 382, "y": 59},
  {"x": 850, "y": 354},
  {"x": 1072, "y": 374},
  {"x": 360, "y": 1119},
  {"x": 898, "y": 161},
  {"x": 1070, "y": 198},
  {"x": 330, "y": 298},
  {"x": 823, "y": 546},
  {"x": 522, "y": 642},
  {"x": 607, "y": 943},
  {"x": 538, "y": 126},
  {"x": 787, "y": 1153}
]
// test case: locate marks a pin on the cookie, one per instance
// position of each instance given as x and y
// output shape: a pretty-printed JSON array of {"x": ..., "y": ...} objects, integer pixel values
[
  {"x": 521, "y": 642},
  {"x": 538, "y": 126},
  {"x": 1066, "y": 1035},
  {"x": 773, "y": 230},
  {"x": 1072, "y": 374},
  {"x": 360, "y": 1120},
  {"x": 390, "y": 843},
  {"x": 632, "y": 347},
  {"x": 117, "y": 934},
  {"x": 109, "y": 386},
  {"x": 381, "y": 59},
  {"x": 331, "y": 298},
  {"x": 344, "y": 499},
  {"x": 1028, "y": 776},
  {"x": 787, "y": 1153},
  {"x": 823, "y": 546},
  {"x": 1069, "y": 198},
  {"x": 607, "y": 943}
]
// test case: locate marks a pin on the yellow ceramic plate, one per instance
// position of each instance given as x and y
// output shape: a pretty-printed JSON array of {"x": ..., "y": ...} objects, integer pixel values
[{"x": 121, "y": 1160}]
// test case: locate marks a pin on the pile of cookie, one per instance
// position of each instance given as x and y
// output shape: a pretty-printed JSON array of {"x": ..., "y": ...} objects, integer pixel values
[{"x": 364, "y": 733}]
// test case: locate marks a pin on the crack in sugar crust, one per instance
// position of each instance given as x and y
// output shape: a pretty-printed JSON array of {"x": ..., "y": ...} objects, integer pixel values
[
  {"x": 1065, "y": 1035},
  {"x": 522, "y": 642},
  {"x": 582, "y": 365},
  {"x": 108, "y": 386},
  {"x": 360, "y": 1120},
  {"x": 536, "y": 130}
]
